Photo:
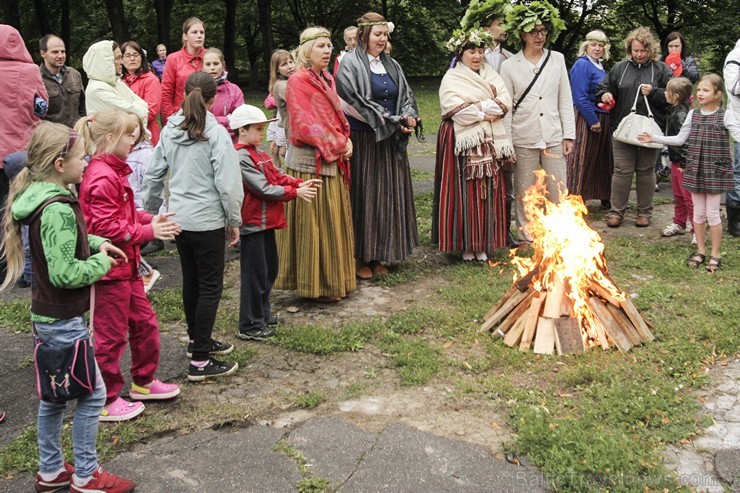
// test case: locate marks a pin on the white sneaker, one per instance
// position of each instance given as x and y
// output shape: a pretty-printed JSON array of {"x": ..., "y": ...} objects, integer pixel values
[{"x": 673, "y": 229}]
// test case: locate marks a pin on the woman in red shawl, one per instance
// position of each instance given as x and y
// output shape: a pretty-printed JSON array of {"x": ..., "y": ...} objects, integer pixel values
[{"x": 317, "y": 248}]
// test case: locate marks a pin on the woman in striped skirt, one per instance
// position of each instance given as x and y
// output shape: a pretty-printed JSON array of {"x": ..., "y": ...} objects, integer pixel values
[
  {"x": 382, "y": 112},
  {"x": 472, "y": 147},
  {"x": 590, "y": 165},
  {"x": 316, "y": 249}
]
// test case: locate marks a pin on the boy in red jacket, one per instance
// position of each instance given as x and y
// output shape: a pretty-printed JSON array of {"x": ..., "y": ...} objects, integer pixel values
[{"x": 265, "y": 190}]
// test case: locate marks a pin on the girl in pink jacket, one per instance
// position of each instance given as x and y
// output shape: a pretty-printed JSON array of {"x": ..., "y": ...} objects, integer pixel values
[
  {"x": 228, "y": 96},
  {"x": 123, "y": 312}
]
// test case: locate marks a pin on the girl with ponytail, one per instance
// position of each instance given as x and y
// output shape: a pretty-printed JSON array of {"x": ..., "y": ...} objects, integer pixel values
[{"x": 206, "y": 191}]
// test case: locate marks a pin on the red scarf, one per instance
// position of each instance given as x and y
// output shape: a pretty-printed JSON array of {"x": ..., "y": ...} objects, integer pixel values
[{"x": 316, "y": 119}]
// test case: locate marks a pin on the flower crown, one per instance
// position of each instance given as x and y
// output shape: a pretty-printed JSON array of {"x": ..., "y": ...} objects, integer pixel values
[{"x": 476, "y": 36}]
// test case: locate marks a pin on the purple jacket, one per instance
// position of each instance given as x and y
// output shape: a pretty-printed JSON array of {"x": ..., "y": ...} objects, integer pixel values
[
  {"x": 158, "y": 67},
  {"x": 228, "y": 97}
]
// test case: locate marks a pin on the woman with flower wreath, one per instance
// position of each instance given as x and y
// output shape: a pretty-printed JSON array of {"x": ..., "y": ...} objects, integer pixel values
[
  {"x": 541, "y": 122},
  {"x": 316, "y": 248},
  {"x": 472, "y": 147},
  {"x": 382, "y": 113}
]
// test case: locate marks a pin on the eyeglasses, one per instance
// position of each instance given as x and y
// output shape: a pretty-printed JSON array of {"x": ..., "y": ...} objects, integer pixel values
[
  {"x": 131, "y": 55},
  {"x": 538, "y": 32}
]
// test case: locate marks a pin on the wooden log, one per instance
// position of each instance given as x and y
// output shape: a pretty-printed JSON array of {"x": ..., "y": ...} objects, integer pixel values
[
  {"x": 631, "y": 310},
  {"x": 525, "y": 282},
  {"x": 532, "y": 315},
  {"x": 568, "y": 338},
  {"x": 515, "y": 334},
  {"x": 511, "y": 292},
  {"x": 514, "y": 315},
  {"x": 554, "y": 298},
  {"x": 504, "y": 310},
  {"x": 566, "y": 307},
  {"x": 603, "y": 292},
  {"x": 544, "y": 341},
  {"x": 610, "y": 325},
  {"x": 625, "y": 324}
]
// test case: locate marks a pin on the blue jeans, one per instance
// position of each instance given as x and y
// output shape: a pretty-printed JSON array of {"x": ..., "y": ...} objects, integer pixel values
[
  {"x": 85, "y": 426},
  {"x": 733, "y": 198},
  {"x": 27, "y": 272}
]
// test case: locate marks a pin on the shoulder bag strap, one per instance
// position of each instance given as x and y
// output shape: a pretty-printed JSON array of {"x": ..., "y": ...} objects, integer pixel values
[{"x": 531, "y": 84}]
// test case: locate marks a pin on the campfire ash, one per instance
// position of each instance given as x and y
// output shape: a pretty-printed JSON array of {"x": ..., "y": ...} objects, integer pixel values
[{"x": 563, "y": 297}]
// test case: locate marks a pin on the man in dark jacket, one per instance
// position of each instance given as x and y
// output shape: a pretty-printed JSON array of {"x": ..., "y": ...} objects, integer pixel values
[{"x": 63, "y": 83}]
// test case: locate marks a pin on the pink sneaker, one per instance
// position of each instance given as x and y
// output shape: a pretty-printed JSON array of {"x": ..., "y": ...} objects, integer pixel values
[
  {"x": 121, "y": 410},
  {"x": 60, "y": 482},
  {"x": 157, "y": 391}
]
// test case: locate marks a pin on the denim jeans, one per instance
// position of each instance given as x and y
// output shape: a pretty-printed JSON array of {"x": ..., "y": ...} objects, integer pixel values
[
  {"x": 733, "y": 198},
  {"x": 85, "y": 426}
]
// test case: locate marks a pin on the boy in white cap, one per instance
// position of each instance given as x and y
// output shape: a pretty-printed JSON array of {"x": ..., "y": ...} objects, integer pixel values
[{"x": 265, "y": 190}]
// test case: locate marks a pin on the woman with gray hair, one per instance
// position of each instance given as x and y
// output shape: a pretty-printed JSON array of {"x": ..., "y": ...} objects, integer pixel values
[
  {"x": 640, "y": 72},
  {"x": 590, "y": 165}
]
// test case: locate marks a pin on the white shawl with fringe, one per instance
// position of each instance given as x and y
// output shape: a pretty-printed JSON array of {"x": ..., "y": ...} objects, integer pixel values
[{"x": 485, "y": 143}]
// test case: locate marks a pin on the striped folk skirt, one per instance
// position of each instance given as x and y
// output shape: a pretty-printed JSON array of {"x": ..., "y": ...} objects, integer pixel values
[
  {"x": 590, "y": 165},
  {"x": 383, "y": 210},
  {"x": 315, "y": 250},
  {"x": 469, "y": 215}
]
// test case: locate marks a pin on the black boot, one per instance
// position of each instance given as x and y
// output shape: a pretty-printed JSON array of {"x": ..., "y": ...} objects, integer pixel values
[
  {"x": 511, "y": 240},
  {"x": 733, "y": 220}
]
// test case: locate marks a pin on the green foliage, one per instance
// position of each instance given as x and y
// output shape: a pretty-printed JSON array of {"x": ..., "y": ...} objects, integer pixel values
[
  {"x": 523, "y": 17},
  {"x": 482, "y": 13}
]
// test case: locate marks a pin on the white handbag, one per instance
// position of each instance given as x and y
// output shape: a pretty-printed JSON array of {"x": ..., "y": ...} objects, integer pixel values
[{"x": 633, "y": 125}]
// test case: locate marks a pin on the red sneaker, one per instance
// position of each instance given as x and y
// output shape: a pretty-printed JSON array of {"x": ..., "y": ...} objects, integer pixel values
[
  {"x": 58, "y": 483},
  {"x": 103, "y": 482}
]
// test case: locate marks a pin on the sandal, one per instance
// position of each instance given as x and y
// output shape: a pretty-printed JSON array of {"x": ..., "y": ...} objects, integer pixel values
[
  {"x": 695, "y": 260},
  {"x": 714, "y": 264}
]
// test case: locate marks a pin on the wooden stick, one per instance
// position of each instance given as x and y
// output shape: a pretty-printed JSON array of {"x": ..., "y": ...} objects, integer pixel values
[
  {"x": 610, "y": 325},
  {"x": 631, "y": 310},
  {"x": 503, "y": 311},
  {"x": 515, "y": 314},
  {"x": 532, "y": 315},
  {"x": 603, "y": 292},
  {"x": 625, "y": 325},
  {"x": 515, "y": 334},
  {"x": 554, "y": 298},
  {"x": 566, "y": 307},
  {"x": 525, "y": 282},
  {"x": 500, "y": 302},
  {"x": 544, "y": 342},
  {"x": 600, "y": 330}
]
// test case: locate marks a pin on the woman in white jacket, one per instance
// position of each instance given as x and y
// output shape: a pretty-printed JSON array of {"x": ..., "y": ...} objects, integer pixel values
[
  {"x": 103, "y": 64},
  {"x": 541, "y": 123}
]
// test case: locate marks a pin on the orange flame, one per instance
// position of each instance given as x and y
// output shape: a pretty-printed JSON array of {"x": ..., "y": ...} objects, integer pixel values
[{"x": 565, "y": 248}]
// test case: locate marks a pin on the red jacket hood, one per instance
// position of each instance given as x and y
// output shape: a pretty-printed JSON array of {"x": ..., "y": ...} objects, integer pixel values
[{"x": 12, "y": 46}]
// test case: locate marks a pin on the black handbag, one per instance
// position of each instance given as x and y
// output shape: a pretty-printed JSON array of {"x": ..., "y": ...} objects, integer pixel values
[{"x": 64, "y": 373}]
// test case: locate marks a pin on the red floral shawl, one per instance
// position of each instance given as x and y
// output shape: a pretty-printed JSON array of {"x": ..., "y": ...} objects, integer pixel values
[{"x": 316, "y": 119}]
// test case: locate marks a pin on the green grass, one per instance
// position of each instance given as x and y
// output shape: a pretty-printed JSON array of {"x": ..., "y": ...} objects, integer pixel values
[
  {"x": 309, "y": 400},
  {"x": 416, "y": 360},
  {"x": 419, "y": 175},
  {"x": 309, "y": 483},
  {"x": 427, "y": 99},
  {"x": 16, "y": 315},
  {"x": 315, "y": 339},
  {"x": 167, "y": 305}
]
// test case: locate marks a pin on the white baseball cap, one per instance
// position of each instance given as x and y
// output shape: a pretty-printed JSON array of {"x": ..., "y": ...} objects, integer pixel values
[{"x": 247, "y": 114}]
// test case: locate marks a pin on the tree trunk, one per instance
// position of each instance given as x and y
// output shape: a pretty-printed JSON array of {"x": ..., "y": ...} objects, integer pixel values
[
  {"x": 229, "y": 40},
  {"x": 164, "y": 10},
  {"x": 42, "y": 17},
  {"x": 117, "y": 20},
  {"x": 66, "y": 24},
  {"x": 12, "y": 13},
  {"x": 264, "y": 7}
]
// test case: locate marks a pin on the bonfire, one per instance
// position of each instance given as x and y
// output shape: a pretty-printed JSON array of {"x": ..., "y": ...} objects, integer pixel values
[{"x": 562, "y": 296}]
